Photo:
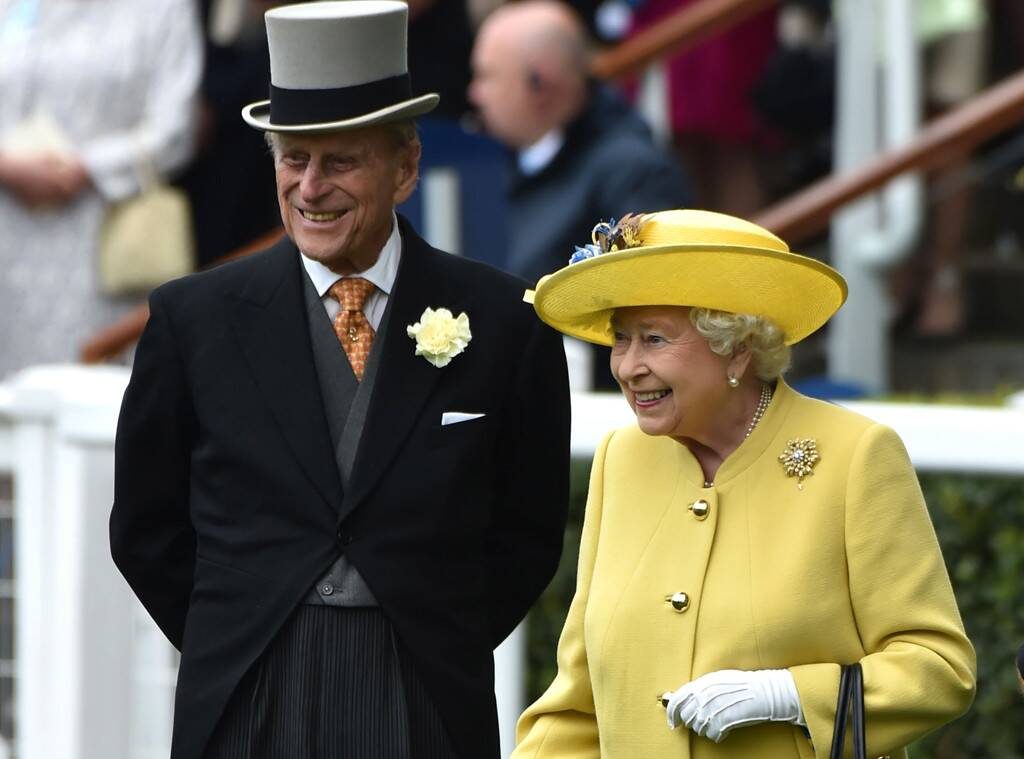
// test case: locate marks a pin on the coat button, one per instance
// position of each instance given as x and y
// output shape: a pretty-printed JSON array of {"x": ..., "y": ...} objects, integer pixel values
[
  {"x": 700, "y": 509},
  {"x": 680, "y": 601},
  {"x": 327, "y": 589}
]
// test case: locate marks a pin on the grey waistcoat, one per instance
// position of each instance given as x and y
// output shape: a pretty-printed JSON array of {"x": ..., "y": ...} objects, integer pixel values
[{"x": 346, "y": 401}]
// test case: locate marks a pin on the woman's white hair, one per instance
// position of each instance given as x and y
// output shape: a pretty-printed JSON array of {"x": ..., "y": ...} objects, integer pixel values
[{"x": 725, "y": 332}]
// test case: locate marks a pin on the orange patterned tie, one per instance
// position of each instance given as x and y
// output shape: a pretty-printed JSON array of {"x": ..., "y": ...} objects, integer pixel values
[{"x": 351, "y": 326}]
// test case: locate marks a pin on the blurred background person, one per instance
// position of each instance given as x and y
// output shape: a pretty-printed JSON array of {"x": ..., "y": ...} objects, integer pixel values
[
  {"x": 803, "y": 117},
  {"x": 953, "y": 39},
  {"x": 440, "y": 41},
  {"x": 715, "y": 127},
  {"x": 230, "y": 179},
  {"x": 91, "y": 91},
  {"x": 581, "y": 153}
]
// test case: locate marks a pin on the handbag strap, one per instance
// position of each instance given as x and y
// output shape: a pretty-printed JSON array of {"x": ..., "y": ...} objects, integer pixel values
[
  {"x": 860, "y": 750},
  {"x": 849, "y": 708}
]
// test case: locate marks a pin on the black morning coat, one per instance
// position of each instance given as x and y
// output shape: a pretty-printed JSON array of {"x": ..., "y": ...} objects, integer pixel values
[{"x": 228, "y": 503}]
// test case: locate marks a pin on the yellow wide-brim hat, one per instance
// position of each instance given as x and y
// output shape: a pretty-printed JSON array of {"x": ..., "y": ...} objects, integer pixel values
[{"x": 690, "y": 258}]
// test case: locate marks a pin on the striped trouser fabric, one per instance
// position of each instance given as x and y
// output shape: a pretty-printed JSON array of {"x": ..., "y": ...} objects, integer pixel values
[{"x": 334, "y": 684}]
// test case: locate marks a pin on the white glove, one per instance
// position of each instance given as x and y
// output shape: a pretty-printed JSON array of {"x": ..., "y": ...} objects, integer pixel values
[{"x": 716, "y": 703}]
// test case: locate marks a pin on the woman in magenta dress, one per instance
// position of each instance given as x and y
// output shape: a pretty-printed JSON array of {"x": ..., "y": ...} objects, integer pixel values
[{"x": 715, "y": 127}]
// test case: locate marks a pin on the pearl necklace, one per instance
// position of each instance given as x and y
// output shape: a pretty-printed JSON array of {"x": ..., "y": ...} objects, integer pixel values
[{"x": 762, "y": 406}]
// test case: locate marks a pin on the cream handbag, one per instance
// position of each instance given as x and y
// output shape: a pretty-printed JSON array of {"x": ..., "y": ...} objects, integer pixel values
[{"x": 147, "y": 239}]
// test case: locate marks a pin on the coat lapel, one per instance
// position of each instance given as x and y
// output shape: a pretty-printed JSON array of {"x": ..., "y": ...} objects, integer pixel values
[
  {"x": 404, "y": 380},
  {"x": 269, "y": 318}
]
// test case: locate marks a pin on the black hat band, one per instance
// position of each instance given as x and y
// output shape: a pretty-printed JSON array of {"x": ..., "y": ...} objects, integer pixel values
[{"x": 325, "y": 106}]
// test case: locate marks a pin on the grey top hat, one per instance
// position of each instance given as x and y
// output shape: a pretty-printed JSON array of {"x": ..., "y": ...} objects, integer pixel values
[{"x": 336, "y": 66}]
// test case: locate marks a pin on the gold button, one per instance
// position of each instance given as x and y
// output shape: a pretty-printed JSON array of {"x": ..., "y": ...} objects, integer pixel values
[
  {"x": 680, "y": 601},
  {"x": 700, "y": 509}
]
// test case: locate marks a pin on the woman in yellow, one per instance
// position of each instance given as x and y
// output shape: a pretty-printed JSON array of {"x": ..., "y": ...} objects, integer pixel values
[{"x": 742, "y": 541}]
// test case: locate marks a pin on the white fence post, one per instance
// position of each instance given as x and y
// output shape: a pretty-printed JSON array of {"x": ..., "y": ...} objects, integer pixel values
[
  {"x": 442, "y": 209},
  {"x": 653, "y": 102},
  {"x": 32, "y": 635},
  {"x": 74, "y": 619},
  {"x": 877, "y": 107},
  {"x": 510, "y": 685}
]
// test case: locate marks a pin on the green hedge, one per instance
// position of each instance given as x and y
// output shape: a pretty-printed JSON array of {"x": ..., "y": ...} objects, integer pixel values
[{"x": 980, "y": 523}]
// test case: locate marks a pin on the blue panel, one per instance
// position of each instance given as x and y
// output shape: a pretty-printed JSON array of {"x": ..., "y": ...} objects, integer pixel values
[
  {"x": 482, "y": 166},
  {"x": 826, "y": 389}
]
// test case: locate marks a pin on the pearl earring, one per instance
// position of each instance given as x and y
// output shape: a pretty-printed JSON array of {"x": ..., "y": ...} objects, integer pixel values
[{"x": 733, "y": 382}]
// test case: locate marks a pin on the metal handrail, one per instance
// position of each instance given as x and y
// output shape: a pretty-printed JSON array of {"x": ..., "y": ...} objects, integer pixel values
[{"x": 943, "y": 140}]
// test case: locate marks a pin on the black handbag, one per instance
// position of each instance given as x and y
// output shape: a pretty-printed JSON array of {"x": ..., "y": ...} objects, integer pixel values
[{"x": 850, "y": 709}]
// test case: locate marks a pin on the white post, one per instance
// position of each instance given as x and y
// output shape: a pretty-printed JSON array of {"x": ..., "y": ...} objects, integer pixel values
[
  {"x": 653, "y": 102},
  {"x": 877, "y": 107},
  {"x": 509, "y": 685},
  {"x": 442, "y": 210},
  {"x": 74, "y": 622},
  {"x": 855, "y": 350},
  {"x": 33, "y": 555},
  {"x": 579, "y": 358}
]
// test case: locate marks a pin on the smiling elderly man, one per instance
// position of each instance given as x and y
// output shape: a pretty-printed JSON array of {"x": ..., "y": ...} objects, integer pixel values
[{"x": 341, "y": 463}]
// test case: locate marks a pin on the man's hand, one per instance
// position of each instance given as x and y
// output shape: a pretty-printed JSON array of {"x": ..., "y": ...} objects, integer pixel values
[
  {"x": 718, "y": 702},
  {"x": 47, "y": 179}
]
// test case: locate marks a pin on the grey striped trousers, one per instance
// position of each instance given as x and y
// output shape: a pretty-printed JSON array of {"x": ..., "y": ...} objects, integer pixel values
[{"x": 334, "y": 684}]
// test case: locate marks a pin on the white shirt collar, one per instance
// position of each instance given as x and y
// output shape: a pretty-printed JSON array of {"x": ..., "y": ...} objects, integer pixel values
[
  {"x": 534, "y": 158},
  {"x": 382, "y": 273}
]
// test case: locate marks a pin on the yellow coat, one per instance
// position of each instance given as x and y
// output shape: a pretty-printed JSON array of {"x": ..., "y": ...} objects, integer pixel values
[{"x": 846, "y": 569}]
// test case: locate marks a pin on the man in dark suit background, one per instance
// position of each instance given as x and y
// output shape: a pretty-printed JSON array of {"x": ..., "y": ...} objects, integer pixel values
[
  {"x": 341, "y": 463},
  {"x": 581, "y": 152},
  {"x": 229, "y": 185}
]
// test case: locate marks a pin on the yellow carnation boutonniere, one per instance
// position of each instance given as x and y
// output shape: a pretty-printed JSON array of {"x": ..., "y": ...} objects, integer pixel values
[{"x": 440, "y": 336}]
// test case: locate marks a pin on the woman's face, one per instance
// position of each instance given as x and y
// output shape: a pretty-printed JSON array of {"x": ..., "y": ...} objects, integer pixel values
[{"x": 672, "y": 380}]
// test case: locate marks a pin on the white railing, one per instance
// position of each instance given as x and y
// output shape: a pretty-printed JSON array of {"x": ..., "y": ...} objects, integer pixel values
[
  {"x": 85, "y": 648},
  {"x": 939, "y": 438},
  {"x": 87, "y": 652}
]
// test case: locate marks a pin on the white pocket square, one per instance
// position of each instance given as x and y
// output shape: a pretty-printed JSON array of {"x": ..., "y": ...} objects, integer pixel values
[{"x": 454, "y": 417}]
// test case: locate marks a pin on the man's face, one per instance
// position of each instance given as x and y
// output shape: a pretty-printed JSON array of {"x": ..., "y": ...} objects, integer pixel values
[
  {"x": 500, "y": 90},
  {"x": 337, "y": 193}
]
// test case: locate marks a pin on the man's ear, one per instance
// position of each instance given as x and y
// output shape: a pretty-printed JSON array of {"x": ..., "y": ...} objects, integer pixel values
[{"x": 408, "y": 171}]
